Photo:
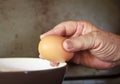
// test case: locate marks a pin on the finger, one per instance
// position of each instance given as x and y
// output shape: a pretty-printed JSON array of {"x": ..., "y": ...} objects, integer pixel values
[
  {"x": 53, "y": 64},
  {"x": 64, "y": 28},
  {"x": 70, "y": 28},
  {"x": 83, "y": 42}
]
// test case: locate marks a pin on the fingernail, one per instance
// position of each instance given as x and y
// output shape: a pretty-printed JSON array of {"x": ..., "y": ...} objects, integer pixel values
[{"x": 68, "y": 44}]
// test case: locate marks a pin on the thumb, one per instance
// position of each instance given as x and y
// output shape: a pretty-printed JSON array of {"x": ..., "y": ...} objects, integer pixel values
[{"x": 83, "y": 42}]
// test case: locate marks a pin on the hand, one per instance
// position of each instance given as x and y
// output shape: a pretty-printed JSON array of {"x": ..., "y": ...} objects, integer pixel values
[{"x": 92, "y": 46}]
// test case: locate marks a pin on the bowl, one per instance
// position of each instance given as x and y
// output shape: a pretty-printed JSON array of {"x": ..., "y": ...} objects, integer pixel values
[{"x": 30, "y": 71}]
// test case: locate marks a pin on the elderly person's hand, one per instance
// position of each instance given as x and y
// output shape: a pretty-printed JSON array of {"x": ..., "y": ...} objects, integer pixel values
[{"x": 92, "y": 46}]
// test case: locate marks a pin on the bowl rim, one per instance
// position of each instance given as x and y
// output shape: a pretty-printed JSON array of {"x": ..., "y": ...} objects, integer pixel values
[{"x": 64, "y": 65}]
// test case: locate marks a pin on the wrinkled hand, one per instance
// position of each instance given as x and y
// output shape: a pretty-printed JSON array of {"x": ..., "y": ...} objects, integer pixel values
[{"x": 92, "y": 46}]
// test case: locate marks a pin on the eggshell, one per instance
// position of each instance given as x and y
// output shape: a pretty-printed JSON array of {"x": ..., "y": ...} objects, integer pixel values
[{"x": 51, "y": 48}]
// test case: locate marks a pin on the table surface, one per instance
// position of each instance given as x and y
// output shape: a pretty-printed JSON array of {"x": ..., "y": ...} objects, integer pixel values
[{"x": 82, "y": 72}]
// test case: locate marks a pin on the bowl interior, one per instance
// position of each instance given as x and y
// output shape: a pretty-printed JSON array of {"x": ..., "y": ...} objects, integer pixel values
[{"x": 26, "y": 64}]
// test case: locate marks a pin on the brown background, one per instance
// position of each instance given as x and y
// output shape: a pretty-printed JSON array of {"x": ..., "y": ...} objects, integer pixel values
[{"x": 22, "y": 21}]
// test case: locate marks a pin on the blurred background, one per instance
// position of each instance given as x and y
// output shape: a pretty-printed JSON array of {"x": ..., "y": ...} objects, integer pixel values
[{"x": 22, "y": 22}]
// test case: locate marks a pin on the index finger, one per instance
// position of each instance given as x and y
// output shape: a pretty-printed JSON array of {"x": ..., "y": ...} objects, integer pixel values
[{"x": 69, "y": 29}]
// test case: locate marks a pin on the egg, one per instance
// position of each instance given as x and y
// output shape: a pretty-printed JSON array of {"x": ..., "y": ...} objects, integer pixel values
[{"x": 51, "y": 48}]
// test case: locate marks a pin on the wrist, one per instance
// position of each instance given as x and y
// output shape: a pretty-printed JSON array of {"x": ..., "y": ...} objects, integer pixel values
[{"x": 117, "y": 58}]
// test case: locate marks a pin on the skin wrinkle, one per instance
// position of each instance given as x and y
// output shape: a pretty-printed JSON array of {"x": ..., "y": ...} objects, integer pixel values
[
  {"x": 88, "y": 27},
  {"x": 112, "y": 52},
  {"x": 91, "y": 40},
  {"x": 84, "y": 29},
  {"x": 76, "y": 59},
  {"x": 79, "y": 28},
  {"x": 104, "y": 53},
  {"x": 100, "y": 50},
  {"x": 107, "y": 53},
  {"x": 96, "y": 42},
  {"x": 76, "y": 32}
]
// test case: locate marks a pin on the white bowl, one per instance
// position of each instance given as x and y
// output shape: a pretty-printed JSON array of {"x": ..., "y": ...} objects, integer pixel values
[{"x": 30, "y": 71}]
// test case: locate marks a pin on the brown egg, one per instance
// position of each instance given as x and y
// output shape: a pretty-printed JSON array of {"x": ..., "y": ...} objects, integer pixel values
[{"x": 51, "y": 48}]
